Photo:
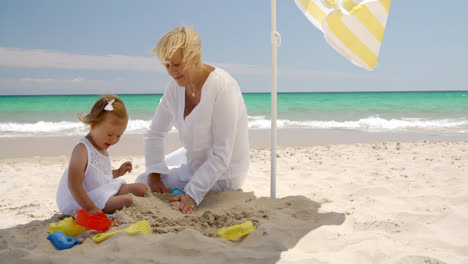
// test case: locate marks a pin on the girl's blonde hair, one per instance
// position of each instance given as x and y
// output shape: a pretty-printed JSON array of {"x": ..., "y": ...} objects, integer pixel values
[
  {"x": 98, "y": 113},
  {"x": 184, "y": 38}
]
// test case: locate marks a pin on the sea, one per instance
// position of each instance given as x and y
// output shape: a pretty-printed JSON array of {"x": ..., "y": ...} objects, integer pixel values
[{"x": 434, "y": 111}]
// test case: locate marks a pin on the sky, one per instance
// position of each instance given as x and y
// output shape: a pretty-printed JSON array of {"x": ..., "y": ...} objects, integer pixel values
[{"x": 97, "y": 47}]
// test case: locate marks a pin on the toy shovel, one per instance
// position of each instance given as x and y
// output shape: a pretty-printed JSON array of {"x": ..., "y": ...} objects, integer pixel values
[
  {"x": 140, "y": 226},
  {"x": 236, "y": 231}
]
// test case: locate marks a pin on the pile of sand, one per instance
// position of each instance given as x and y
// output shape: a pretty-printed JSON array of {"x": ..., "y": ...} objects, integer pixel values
[{"x": 175, "y": 237}]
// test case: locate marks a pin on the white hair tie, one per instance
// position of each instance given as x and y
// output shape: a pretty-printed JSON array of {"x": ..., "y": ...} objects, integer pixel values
[{"x": 109, "y": 106}]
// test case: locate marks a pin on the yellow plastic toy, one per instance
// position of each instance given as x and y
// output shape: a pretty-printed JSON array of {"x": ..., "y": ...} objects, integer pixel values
[
  {"x": 67, "y": 226},
  {"x": 140, "y": 226},
  {"x": 236, "y": 231}
]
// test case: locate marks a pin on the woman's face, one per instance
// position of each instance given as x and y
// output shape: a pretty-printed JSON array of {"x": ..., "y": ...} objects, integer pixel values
[{"x": 175, "y": 68}]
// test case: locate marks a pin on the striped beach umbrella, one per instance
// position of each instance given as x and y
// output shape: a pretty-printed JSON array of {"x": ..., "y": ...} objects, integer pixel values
[{"x": 354, "y": 28}]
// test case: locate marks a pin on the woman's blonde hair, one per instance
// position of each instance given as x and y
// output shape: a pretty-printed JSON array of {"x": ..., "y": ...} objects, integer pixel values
[
  {"x": 184, "y": 38},
  {"x": 98, "y": 113}
]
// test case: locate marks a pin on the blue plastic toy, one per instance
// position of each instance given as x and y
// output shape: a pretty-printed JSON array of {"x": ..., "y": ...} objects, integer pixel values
[
  {"x": 61, "y": 241},
  {"x": 177, "y": 191}
]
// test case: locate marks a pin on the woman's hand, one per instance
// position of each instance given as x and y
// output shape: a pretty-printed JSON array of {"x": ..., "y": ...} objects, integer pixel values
[
  {"x": 187, "y": 204},
  {"x": 124, "y": 168},
  {"x": 155, "y": 183}
]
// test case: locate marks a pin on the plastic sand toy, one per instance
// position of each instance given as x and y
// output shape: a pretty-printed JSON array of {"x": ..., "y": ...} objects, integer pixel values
[
  {"x": 99, "y": 222},
  {"x": 67, "y": 226},
  {"x": 61, "y": 241},
  {"x": 140, "y": 226},
  {"x": 236, "y": 231},
  {"x": 177, "y": 191}
]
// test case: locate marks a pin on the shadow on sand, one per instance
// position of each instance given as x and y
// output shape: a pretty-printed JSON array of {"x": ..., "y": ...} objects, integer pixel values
[{"x": 284, "y": 223}]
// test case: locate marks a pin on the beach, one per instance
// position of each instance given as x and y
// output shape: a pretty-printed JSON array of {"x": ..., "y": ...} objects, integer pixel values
[
  {"x": 356, "y": 113},
  {"x": 342, "y": 197}
]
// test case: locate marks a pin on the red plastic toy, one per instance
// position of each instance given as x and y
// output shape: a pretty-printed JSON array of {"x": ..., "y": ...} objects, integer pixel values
[{"x": 99, "y": 222}]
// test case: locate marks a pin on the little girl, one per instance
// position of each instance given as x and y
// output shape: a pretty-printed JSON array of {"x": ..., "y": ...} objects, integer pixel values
[{"x": 89, "y": 182}]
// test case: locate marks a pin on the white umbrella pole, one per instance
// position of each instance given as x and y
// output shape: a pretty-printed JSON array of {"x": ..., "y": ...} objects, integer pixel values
[{"x": 275, "y": 37}]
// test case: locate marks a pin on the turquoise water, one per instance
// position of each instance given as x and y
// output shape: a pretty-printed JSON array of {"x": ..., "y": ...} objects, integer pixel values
[
  {"x": 346, "y": 106},
  {"x": 370, "y": 111}
]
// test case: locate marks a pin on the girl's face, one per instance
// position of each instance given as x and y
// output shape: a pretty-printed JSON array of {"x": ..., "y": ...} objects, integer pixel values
[{"x": 108, "y": 131}]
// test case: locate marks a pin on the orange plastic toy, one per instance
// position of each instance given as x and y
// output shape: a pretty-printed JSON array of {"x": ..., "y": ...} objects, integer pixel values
[{"x": 99, "y": 222}]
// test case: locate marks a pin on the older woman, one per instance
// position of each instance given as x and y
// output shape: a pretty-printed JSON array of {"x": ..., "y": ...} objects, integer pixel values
[{"x": 206, "y": 106}]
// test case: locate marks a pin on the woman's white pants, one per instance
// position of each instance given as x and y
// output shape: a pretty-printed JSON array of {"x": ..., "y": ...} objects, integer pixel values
[{"x": 179, "y": 174}]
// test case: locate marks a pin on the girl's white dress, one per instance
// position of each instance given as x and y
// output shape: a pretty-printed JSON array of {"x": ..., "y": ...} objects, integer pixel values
[{"x": 98, "y": 182}]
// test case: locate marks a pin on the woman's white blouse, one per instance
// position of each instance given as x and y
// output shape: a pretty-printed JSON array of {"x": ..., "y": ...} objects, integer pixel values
[{"x": 215, "y": 134}]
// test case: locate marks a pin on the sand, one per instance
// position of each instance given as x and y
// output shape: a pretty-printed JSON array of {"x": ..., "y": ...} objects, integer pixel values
[{"x": 382, "y": 202}]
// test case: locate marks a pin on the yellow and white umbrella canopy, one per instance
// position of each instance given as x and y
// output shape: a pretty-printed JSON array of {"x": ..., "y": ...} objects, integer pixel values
[{"x": 354, "y": 28}]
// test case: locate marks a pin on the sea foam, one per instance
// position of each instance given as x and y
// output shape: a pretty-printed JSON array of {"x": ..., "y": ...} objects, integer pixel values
[{"x": 372, "y": 123}]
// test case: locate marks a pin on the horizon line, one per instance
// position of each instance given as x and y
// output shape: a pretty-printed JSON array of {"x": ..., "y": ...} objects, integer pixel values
[{"x": 293, "y": 92}]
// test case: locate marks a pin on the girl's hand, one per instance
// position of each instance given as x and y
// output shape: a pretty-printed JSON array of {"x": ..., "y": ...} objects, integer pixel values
[
  {"x": 187, "y": 204},
  {"x": 124, "y": 168},
  {"x": 95, "y": 211}
]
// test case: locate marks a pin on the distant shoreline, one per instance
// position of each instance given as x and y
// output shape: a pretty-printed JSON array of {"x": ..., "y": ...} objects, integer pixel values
[{"x": 21, "y": 147}]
